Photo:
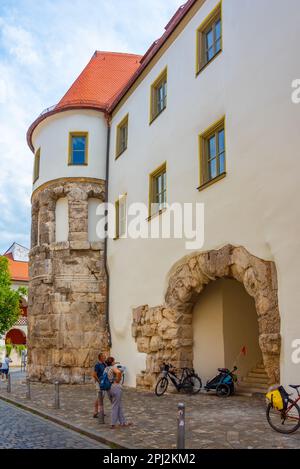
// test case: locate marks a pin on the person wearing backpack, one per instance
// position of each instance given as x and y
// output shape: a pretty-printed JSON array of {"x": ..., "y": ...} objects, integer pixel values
[
  {"x": 98, "y": 375},
  {"x": 111, "y": 382}
]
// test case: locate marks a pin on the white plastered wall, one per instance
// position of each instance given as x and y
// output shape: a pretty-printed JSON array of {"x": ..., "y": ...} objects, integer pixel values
[
  {"x": 224, "y": 321},
  {"x": 240, "y": 328},
  {"x": 255, "y": 205},
  {"x": 208, "y": 336},
  {"x": 52, "y": 137},
  {"x": 94, "y": 232}
]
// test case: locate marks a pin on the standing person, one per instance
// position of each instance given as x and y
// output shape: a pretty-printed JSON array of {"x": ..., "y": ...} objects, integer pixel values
[
  {"x": 97, "y": 375},
  {"x": 115, "y": 393},
  {"x": 5, "y": 366}
]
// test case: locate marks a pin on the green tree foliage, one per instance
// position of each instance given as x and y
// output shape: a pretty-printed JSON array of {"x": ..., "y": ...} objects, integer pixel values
[{"x": 9, "y": 299}]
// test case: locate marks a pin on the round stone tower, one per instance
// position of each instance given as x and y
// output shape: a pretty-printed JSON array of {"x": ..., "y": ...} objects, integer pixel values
[
  {"x": 67, "y": 313},
  {"x": 67, "y": 292}
]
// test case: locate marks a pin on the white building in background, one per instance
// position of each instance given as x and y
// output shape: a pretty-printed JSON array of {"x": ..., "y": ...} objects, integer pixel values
[{"x": 205, "y": 116}]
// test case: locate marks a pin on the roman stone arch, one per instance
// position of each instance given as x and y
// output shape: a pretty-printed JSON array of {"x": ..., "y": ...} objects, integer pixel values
[{"x": 165, "y": 332}]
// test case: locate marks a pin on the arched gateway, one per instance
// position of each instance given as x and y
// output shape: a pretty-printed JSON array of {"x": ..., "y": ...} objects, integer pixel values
[{"x": 165, "y": 332}]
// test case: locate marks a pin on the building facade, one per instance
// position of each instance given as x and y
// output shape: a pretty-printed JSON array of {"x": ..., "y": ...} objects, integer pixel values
[{"x": 204, "y": 117}]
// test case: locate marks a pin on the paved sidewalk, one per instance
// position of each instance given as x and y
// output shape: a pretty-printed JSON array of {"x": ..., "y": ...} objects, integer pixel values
[
  {"x": 22, "y": 430},
  {"x": 211, "y": 422}
]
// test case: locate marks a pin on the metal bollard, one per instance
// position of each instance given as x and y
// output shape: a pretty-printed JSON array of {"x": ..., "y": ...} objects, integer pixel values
[
  {"x": 101, "y": 406},
  {"x": 8, "y": 383},
  {"x": 28, "y": 390},
  {"x": 56, "y": 395},
  {"x": 181, "y": 427}
]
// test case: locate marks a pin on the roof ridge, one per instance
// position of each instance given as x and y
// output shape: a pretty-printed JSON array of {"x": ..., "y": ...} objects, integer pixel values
[{"x": 99, "y": 52}]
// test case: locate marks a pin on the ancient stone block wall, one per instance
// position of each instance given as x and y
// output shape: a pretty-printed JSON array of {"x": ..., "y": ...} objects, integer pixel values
[
  {"x": 67, "y": 289},
  {"x": 165, "y": 333}
]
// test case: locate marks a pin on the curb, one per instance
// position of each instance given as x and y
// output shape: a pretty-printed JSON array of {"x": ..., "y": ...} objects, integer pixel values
[{"x": 113, "y": 444}]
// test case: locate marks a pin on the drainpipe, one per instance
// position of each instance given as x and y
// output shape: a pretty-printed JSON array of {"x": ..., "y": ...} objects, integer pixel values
[{"x": 105, "y": 240}]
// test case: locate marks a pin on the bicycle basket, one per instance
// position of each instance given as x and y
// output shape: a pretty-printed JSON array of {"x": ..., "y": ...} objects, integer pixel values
[{"x": 278, "y": 398}]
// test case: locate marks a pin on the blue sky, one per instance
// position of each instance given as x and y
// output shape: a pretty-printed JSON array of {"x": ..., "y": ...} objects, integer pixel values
[{"x": 44, "y": 45}]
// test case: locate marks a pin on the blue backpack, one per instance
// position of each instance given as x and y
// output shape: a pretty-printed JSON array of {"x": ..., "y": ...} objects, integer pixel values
[{"x": 105, "y": 383}]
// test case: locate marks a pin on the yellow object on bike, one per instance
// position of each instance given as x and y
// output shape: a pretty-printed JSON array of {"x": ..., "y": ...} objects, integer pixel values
[{"x": 278, "y": 398}]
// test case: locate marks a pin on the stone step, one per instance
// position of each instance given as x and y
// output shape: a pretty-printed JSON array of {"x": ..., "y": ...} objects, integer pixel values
[
  {"x": 261, "y": 366},
  {"x": 262, "y": 386},
  {"x": 258, "y": 375},
  {"x": 258, "y": 371},
  {"x": 255, "y": 379},
  {"x": 249, "y": 391}
]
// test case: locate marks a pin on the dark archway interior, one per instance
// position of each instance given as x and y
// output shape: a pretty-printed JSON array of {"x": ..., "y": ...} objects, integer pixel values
[{"x": 15, "y": 337}]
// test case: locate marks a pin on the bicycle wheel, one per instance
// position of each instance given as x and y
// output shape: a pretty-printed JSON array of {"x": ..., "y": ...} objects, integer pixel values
[
  {"x": 192, "y": 384},
  {"x": 223, "y": 390},
  {"x": 161, "y": 386},
  {"x": 284, "y": 421}
]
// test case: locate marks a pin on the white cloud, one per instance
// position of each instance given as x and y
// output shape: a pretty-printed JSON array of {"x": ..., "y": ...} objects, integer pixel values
[
  {"x": 19, "y": 43},
  {"x": 3, "y": 92},
  {"x": 43, "y": 48}
]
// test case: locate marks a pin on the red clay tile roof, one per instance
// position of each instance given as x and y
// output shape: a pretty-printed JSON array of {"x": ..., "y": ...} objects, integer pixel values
[
  {"x": 18, "y": 270},
  {"x": 101, "y": 80},
  {"x": 108, "y": 76}
]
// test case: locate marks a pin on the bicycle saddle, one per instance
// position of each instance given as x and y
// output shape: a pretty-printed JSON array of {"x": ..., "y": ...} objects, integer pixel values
[{"x": 294, "y": 386}]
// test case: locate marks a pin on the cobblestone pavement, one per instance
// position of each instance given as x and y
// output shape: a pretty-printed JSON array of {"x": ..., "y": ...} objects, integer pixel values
[
  {"x": 20, "y": 429},
  {"x": 211, "y": 422}
]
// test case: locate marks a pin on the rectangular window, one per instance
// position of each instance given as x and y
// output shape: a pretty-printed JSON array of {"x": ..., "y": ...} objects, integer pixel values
[
  {"x": 121, "y": 216},
  {"x": 122, "y": 136},
  {"x": 78, "y": 148},
  {"x": 209, "y": 38},
  {"x": 36, "y": 165},
  {"x": 158, "y": 95},
  {"x": 212, "y": 153},
  {"x": 158, "y": 190}
]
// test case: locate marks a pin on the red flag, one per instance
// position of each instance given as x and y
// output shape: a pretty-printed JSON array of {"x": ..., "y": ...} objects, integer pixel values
[{"x": 244, "y": 350}]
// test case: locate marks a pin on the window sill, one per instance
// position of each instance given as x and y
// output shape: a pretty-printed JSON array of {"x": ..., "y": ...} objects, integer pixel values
[
  {"x": 120, "y": 153},
  {"x": 212, "y": 181},
  {"x": 153, "y": 118},
  {"x": 77, "y": 164},
  {"x": 208, "y": 63},
  {"x": 156, "y": 214}
]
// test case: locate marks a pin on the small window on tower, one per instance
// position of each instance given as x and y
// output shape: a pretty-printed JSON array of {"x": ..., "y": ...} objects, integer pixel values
[
  {"x": 36, "y": 166},
  {"x": 78, "y": 148}
]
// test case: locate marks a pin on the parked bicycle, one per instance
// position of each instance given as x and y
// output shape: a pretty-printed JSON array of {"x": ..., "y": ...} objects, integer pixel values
[
  {"x": 283, "y": 413},
  {"x": 189, "y": 382}
]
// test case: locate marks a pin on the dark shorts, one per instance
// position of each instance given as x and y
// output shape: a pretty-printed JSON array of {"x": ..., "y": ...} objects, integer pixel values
[{"x": 5, "y": 372}]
